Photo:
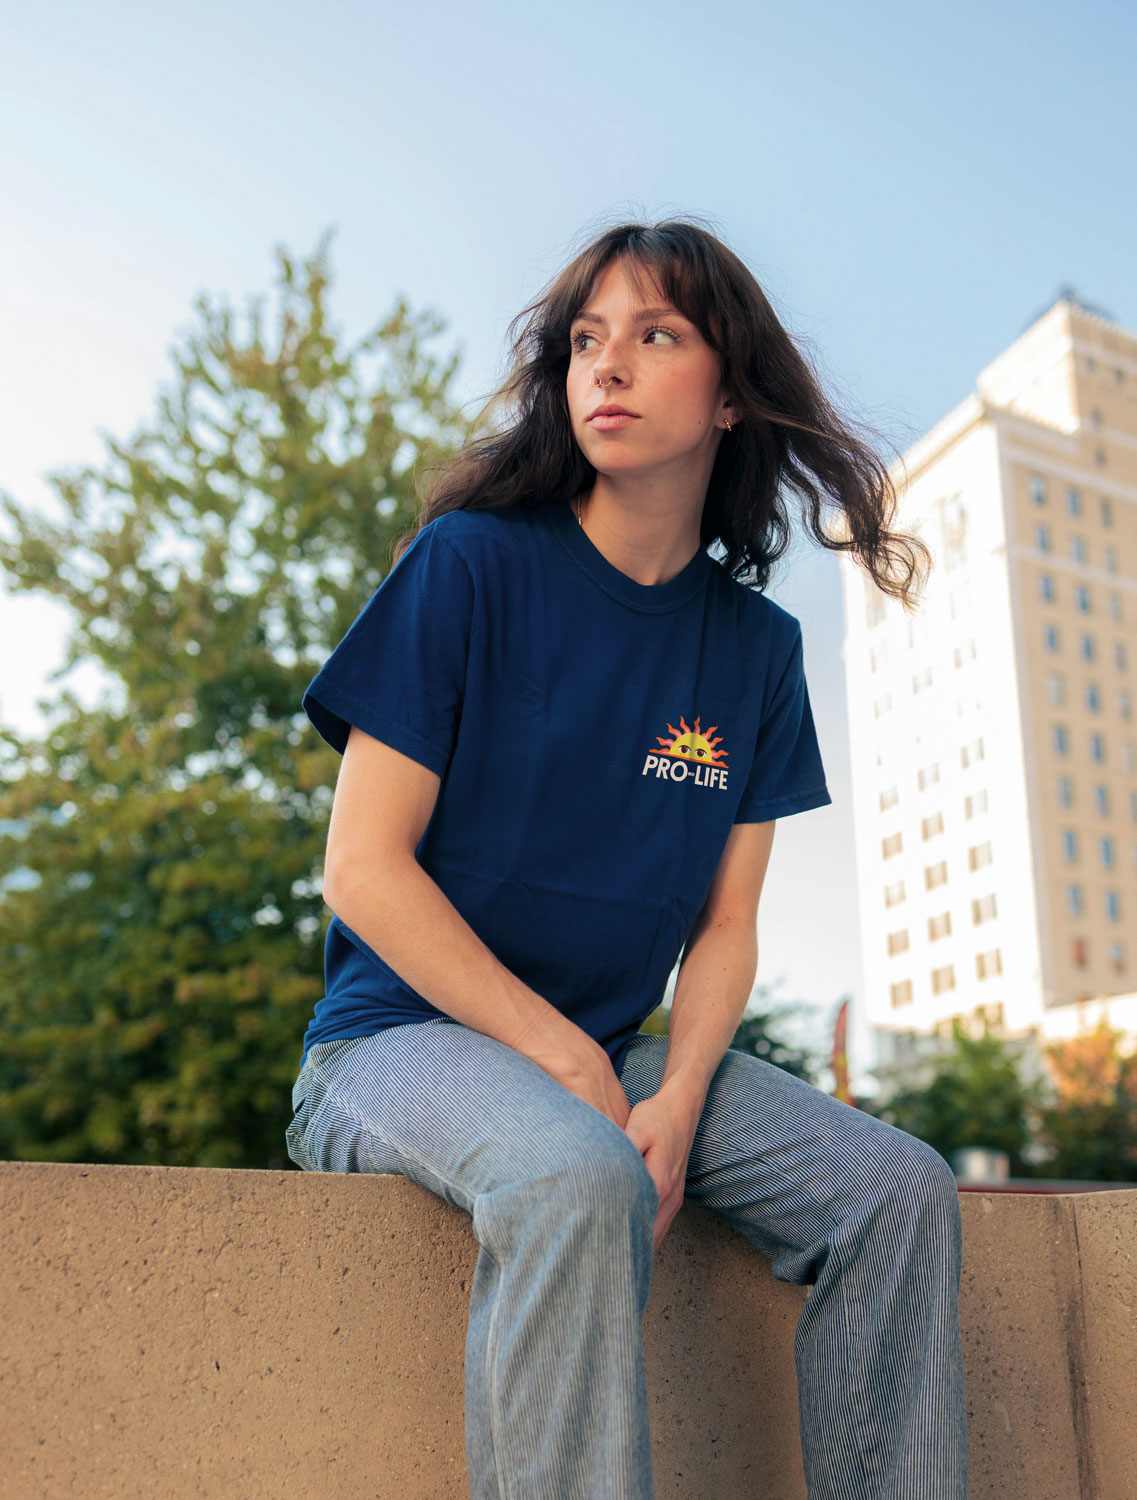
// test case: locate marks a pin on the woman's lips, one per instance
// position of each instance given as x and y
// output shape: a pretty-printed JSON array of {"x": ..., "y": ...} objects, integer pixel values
[{"x": 611, "y": 423}]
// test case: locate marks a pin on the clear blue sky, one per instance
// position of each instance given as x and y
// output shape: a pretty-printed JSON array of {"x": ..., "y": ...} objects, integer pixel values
[{"x": 910, "y": 183}]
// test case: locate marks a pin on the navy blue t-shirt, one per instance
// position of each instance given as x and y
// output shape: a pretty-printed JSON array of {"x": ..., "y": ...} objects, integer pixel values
[{"x": 596, "y": 739}]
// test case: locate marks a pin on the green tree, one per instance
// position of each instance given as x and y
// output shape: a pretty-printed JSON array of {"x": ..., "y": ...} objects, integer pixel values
[
  {"x": 160, "y": 854},
  {"x": 974, "y": 1096}
]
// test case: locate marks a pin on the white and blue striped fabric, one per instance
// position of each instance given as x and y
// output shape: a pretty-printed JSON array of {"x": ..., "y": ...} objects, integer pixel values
[{"x": 563, "y": 1209}]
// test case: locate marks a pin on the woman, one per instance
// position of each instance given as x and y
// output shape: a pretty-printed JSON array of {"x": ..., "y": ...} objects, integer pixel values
[{"x": 567, "y": 734}]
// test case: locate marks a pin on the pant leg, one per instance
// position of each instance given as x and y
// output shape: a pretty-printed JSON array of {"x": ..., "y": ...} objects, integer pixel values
[
  {"x": 868, "y": 1217},
  {"x": 563, "y": 1209}
]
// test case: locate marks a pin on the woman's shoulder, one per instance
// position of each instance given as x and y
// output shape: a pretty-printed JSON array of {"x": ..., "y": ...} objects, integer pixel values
[
  {"x": 476, "y": 534},
  {"x": 757, "y": 608}
]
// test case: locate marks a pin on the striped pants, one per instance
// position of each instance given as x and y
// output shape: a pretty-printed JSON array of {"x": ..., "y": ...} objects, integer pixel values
[{"x": 563, "y": 1209}]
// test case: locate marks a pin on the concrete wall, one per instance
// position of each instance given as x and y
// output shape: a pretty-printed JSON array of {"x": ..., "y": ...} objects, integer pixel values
[{"x": 177, "y": 1333}]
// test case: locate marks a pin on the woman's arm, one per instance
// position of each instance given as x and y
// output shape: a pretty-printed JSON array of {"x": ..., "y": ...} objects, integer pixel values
[
  {"x": 719, "y": 964},
  {"x": 373, "y": 882}
]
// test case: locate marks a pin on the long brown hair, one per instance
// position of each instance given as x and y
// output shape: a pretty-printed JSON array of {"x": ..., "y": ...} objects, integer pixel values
[{"x": 788, "y": 437}]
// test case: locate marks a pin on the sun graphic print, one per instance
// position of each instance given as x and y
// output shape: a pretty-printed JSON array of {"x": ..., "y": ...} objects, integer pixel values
[
  {"x": 694, "y": 756},
  {"x": 693, "y": 744}
]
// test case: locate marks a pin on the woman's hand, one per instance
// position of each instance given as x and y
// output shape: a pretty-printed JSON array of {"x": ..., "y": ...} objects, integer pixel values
[
  {"x": 664, "y": 1132},
  {"x": 583, "y": 1067}
]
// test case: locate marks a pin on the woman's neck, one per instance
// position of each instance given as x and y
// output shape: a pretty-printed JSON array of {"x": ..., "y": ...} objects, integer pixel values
[{"x": 645, "y": 538}]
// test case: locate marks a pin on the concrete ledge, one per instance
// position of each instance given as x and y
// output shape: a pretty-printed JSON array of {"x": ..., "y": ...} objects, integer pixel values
[{"x": 177, "y": 1333}]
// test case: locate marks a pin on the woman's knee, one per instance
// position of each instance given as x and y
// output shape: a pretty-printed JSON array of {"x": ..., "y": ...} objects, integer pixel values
[
  {"x": 604, "y": 1171},
  {"x": 912, "y": 1173}
]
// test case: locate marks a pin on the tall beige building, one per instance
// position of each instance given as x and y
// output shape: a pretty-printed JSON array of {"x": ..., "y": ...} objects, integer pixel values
[{"x": 993, "y": 738}]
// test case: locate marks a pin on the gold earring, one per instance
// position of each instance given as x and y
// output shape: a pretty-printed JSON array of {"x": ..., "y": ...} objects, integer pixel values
[{"x": 728, "y": 424}]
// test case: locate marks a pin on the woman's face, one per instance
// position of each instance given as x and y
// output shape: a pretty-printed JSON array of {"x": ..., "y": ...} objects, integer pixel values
[{"x": 652, "y": 361}]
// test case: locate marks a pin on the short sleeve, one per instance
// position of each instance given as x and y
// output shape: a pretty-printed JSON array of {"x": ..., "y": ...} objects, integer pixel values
[
  {"x": 786, "y": 775},
  {"x": 399, "y": 673}
]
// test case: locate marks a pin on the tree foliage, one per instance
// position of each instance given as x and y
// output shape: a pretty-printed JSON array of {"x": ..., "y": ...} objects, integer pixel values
[
  {"x": 1073, "y": 1117},
  {"x": 161, "y": 922},
  {"x": 975, "y": 1096},
  {"x": 1089, "y": 1128}
]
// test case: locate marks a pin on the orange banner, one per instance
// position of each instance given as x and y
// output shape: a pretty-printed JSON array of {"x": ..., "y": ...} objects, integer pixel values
[{"x": 840, "y": 1059}]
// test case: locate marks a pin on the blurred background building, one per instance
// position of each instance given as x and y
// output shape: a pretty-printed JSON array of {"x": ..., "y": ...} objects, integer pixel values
[{"x": 992, "y": 738}]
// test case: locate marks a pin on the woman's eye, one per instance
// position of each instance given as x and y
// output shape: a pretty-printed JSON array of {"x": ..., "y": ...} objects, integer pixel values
[{"x": 577, "y": 344}]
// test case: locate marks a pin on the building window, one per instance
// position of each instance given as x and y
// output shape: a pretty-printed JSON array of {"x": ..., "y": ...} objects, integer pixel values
[
  {"x": 1075, "y": 904},
  {"x": 1065, "y": 792},
  {"x": 1082, "y": 599},
  {"x": 1086, "y": 647},
  {"x": 939, "y": 926},
  {"x": 1097, "y": 748},
  {"x": 1112, "y": 906},
  {"x": 922, "y": 679},
  {"x": 1042, "y": 538},
  {"x": 1078, "y": 549},
  {"x": 1093, "y": 698},
  {"x": 1073, "y": 502},
  {"x": 983, "y": 909},
  {"x": 943, "y": 979},
  {"x": 1106, "y": 853},
  {"x": 1101, "y": 801},
  {"x": 874, "y": 612},
  {"x": 975, "y": 804},
  {"x": 1050, "y": 637},
  {"x": 1117, "y": 957},
  {"x": 1115, "y": 608},
  {"x": 1120, "y": 656},
  {"x": 1124, "y": 707},
  {"x": 1038, "y": 489},
  {"x": 978, "y": 856},
  {"x": 882, "y": 705},
  {"x": 987, "y": 965},
  {"x": 892, "y": 845},
  {"x": 970, "y": 753},
  {"x": 1078, "y": 950},
  {"x": 935, "y": 875},
  {"x": 1069, "y": 845},
  {"x": 878, "y": 656},
  {"x": 1106, "y": 512},
  {"x": 1060, "y": 739},
  {"x": 927, "y": 776},
  {"x": 930, "y": 826},
  {"x": 889, "y": 798},
  {"x": 901, "y": 994},
  {"x": 894, "y": 893},
  {"x": 1046, "y": 587},
  {"x": 1109, "y": 556},
  {"x": 1055, "y": 688},
  {"x": 898, "y": 942}
]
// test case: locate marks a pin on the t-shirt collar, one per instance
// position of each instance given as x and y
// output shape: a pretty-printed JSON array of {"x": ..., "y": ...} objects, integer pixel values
[{"x": 647, "y": 596}]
